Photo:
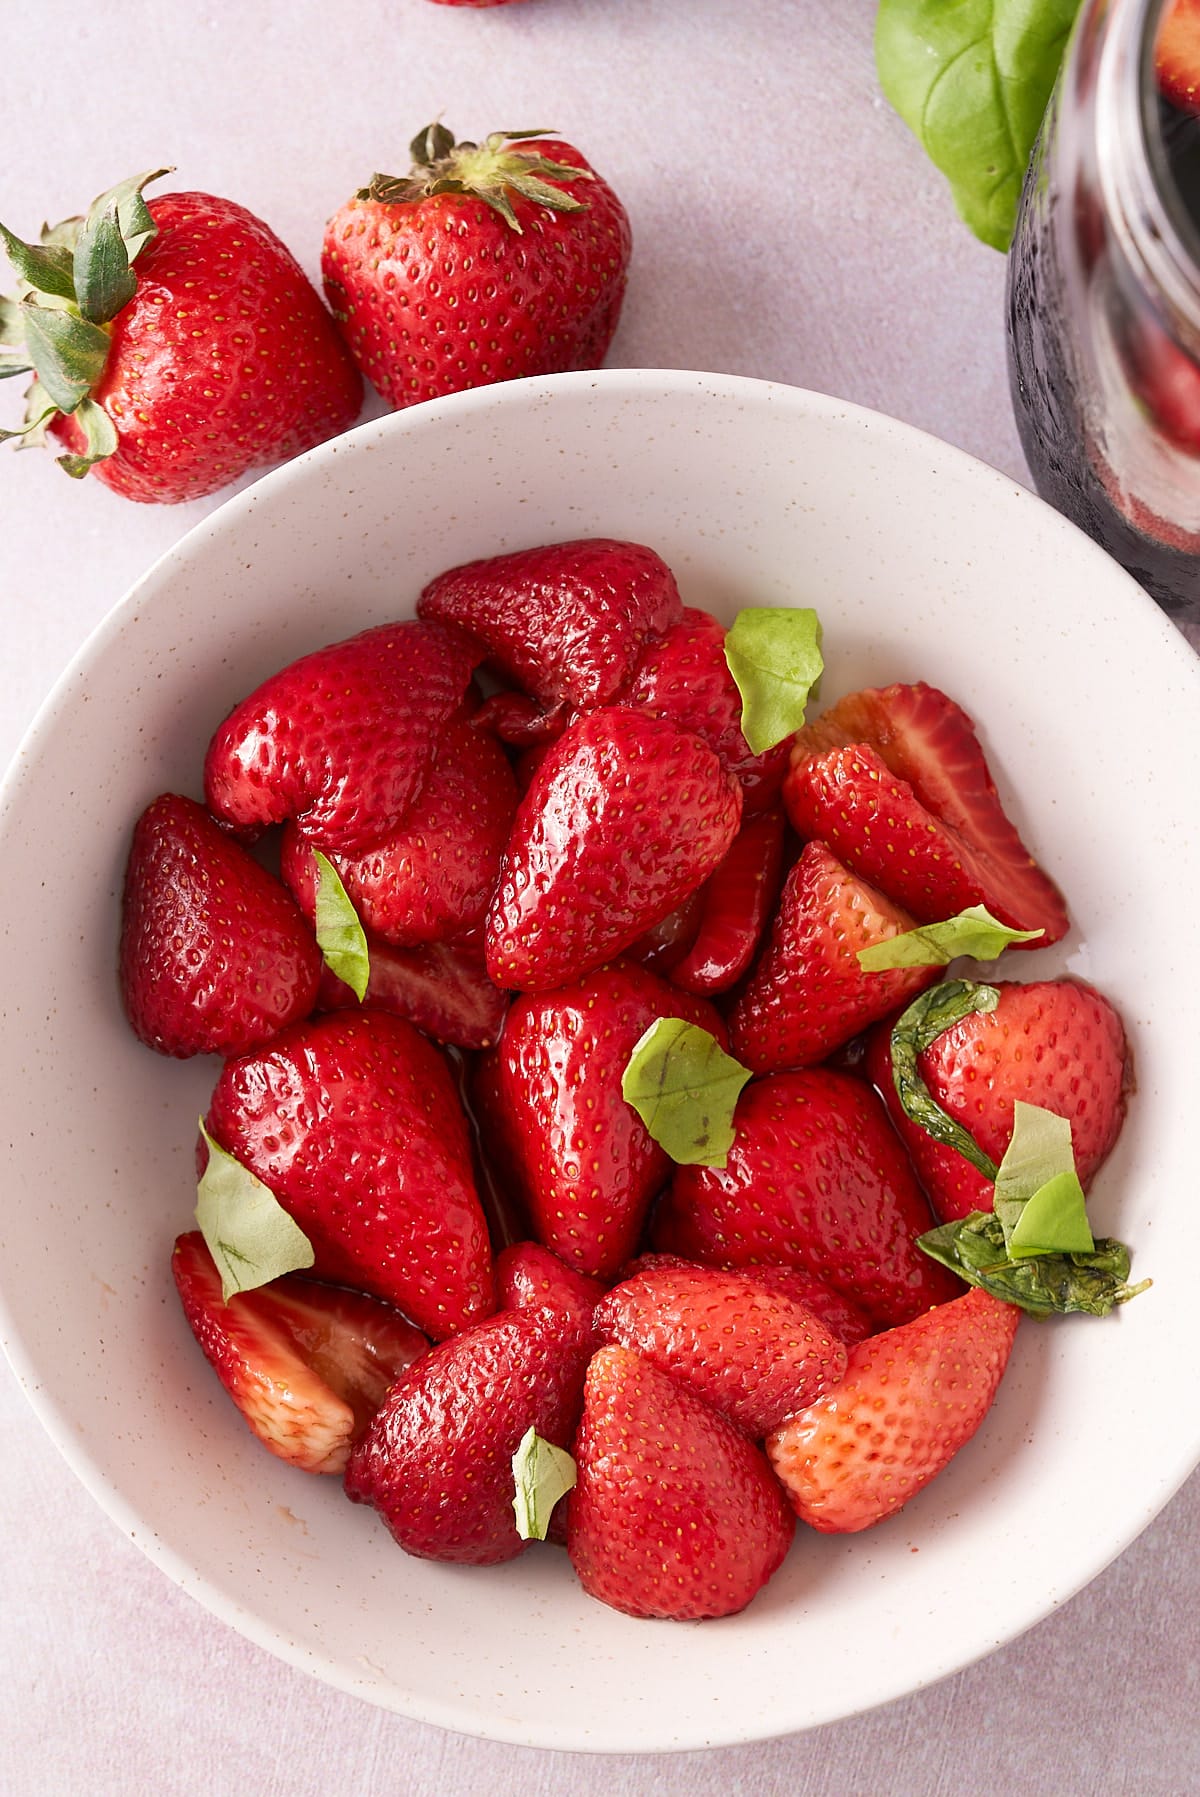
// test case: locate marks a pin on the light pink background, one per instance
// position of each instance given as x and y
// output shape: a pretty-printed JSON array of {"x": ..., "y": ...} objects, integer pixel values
[{"x": 786, "y": 226}]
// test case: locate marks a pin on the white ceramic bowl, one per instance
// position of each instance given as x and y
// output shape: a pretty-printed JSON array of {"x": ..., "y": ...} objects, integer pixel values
[{"x": 923, "y": 564}]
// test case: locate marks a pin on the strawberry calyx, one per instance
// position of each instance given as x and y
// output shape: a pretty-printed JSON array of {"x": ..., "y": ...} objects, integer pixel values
[
  {"x": 71, "y": 285},
  {"x": 488, "y": 171}
]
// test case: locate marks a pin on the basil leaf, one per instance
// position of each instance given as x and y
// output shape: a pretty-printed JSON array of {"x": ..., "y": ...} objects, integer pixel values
[
  {"x": 250, "y": 1236},
  {"x": 1047, "y": 1285},
  {"x": 971, "y": 81},
  {"x": 684, "y": 1087},
  {"x": 973, "y": 932},
  {"x": 542, "y": 1473},
  {"x": 935, "y": 1011},
  {"x": 774, "y": 655},
  {"x": 1053, "y": 1221},
  {"x": 340, "y": 935},
  {"x": 1039, "y": 1199}
]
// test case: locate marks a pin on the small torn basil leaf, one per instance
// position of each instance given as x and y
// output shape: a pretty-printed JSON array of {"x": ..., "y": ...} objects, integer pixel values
[
  {"x": 542, "y": 1473},
  {"x": 340, "y": 935},
  {"x": 1053, "y": 1221},
  {"x": 1039, "y": 1199},
  {"x": 685, "y": 1088},
  {"x": 774, "y": 655},
  {"x": 250, "y": 1236},
  {"x": 1045, "y": 1285},
  {"x": 974, "y": 932},
  {"x": 927, "y": 1017}
]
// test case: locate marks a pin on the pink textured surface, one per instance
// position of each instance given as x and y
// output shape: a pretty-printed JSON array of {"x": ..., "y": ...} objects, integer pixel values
[{"x": 843, "y": 269}]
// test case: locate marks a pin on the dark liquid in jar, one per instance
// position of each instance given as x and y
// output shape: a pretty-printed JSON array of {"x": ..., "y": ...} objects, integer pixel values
[{"x": 1049, "y": 413}]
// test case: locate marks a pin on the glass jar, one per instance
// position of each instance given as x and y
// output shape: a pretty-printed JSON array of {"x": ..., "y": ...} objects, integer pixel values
[{"x": 1104, "y": 305}]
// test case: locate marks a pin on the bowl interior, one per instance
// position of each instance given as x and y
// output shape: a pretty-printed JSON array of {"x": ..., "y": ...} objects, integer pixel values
[{"x": 923, "y": 564}]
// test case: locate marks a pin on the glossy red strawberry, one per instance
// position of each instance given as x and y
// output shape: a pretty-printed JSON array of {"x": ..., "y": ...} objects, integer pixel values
[
  {"x": 436, "y": 1462},
  {"x": 185, "y": 346},
  {"x": 354, "y": 1124},
  {"x": 1177, "y": 54},
  {"x": 910, "y": 1399},
  {"x": 432, "y": 877},
  {"x": 486, "y": 263},
  {"x": 342, "y": 740},
  {"x": 893, "y": 780},
  {"x": 752, "y": 1354},
  {"x": 530, "y": 1277},
  {"x": 215, "y": 958},
  {"x": 684, "y": 676},
  {"x": 736, "y": 902},
  {"x": 307, "y": 1364},
  {"x": 1059, "y": 1044},
  {"x": 549, "y": 1098},
  {"x": 807, "y": 994},
  {"x": 816, "y": 1178},
  {"x": 675, "y": 1513},
  {"x": 566, "y": 622},
  {"x": 835, "y": 1310},
  {"x": 441, "y": 987},
  {"x": 596, "y": 858}
]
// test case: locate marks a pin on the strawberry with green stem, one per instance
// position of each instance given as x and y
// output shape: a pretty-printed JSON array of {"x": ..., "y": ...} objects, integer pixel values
[
  {"x": 487, "y": 262},
  {"x": 175, "y": 344}
]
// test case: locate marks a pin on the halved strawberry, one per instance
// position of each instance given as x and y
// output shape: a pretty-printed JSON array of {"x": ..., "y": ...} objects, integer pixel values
[
  {"x": 675, "y": 1512},
  {"x": 1177, "y": 54},
  {"x": 909, "y": 1400},
  {"x": 343, "y": 739},
  {"x": 625, "y": 816},
  {"x": 894, "y": 781},
  {"x": 441, "y": 987},
  {"x": 307, "y": 1364},
  {"x": 564, "y": 621},
  {"x": 752, "y": 1354},
  {"x": 736, "y": 900},
  {"x": 215, "y": 958},
  {"x": 807, "y": 994},
  {"x": 433, "y": 875}
]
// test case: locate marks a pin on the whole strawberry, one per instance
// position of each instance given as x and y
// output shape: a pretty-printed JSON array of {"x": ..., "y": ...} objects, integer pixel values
[
  {"x": 485, "y": 263},
  {"x": 176, "y": 344},
  {"x": 215, "y": 958},
  {"x": 675, "y": 1512},
  {"x": 354, "y": 1124}
]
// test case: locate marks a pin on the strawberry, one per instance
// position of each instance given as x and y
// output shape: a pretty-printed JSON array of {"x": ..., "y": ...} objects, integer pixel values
[
  {"x": 893, "y": 780},
  {"x": 343, "y": 739},
  {"x": 436, "y": 1461},
  {"x": 816, "y": 1178},
  {"x": 1177, "y": 54},
  {"x": 909, "y": 1400},
  {"x": 1059, "y": 1044},
  {"x": 518, "y": 720},
  {"x": 753, "y": 1355},
  {"x": 549, "y": 1096},
  {"x": 487, "y": 262},
  {"x": 684, "y": 676},
  {"x": 565, "y": 621},
  {"x": 836, "y": 1311},
  {"x": 354, "y": 1124},
  {"x": 1166, "y": 382},
  {"x": 675, "y": 1512},
  {"x": 307, "y": 1364},
  {"x": 807, "y": 994},
  {"x": 595, "y": 857},
  {"x": 736, "y": 900},
  {"x": 529, "y": 1277},
  {"x": 441, "y": 987},
  {"x": 432, "y": 877},
  {"x": 176, "y": 345},
  {"x": 215, "y": 958}
]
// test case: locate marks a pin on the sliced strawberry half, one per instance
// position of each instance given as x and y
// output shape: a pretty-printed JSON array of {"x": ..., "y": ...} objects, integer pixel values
[
  {"x": 307, "y": 1364},
  {"x": 441, "y": 987},
  {"x": 735, "y": 903},
  {"x": 894, "y": 781}
]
